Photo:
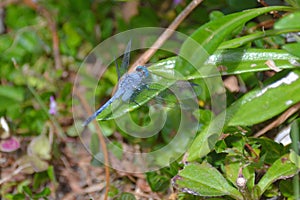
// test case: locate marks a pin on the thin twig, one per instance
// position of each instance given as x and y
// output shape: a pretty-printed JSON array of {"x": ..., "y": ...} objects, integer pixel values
[
  {"x": 17, "y": 171},
  {"x": 275, "y": 13},
  {"x": 55, "y": 39},
  {"x": 102, "y": 141},
  {"x": 279, "y": 120},
  {"x": 144, "y": 58}
]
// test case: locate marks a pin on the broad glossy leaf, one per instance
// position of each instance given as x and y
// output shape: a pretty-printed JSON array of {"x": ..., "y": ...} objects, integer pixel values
[
  {"x": 204, "y": 180},
  {"x": 293, "y": 48},
  {"x": 282, "y": 168},
  {"x": 289, "y": 21},
  {"x": 240, "y": 41},
  {"x": 262, "y": 104},
  {"x": 235, "y": 61},
  {"x": 206, "y": 139},
  {"x": 207, "y": 38},
  {"x": 119, "y": 108}
]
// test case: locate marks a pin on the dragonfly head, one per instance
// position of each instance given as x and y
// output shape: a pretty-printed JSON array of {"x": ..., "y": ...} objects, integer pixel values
[{"x": 143, "y": 70}]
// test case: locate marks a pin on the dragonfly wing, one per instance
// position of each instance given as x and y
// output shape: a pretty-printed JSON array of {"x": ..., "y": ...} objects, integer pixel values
[
  {"x": 126, "y": 57},
  {"x": 125, "y": 62},
  {"x": 118, "y": 69}
]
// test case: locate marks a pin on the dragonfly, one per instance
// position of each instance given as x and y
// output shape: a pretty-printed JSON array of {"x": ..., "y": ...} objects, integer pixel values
[{"x": 128, "y": 84}]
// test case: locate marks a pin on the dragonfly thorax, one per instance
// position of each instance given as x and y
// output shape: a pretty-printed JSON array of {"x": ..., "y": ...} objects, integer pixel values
[{"x": 143, "y": 70}]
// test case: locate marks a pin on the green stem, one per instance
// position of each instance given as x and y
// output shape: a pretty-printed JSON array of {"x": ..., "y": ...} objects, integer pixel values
[{"x": 44, "y": 107}]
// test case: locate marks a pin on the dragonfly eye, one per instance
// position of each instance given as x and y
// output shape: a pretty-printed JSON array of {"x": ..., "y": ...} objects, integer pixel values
[
  {"x": 139, "y": 68},
  {"x": 143, "y": 70}
]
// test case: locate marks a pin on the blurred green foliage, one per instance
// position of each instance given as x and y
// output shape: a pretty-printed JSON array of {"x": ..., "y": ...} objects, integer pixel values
[{"x": 29, "y": 77}]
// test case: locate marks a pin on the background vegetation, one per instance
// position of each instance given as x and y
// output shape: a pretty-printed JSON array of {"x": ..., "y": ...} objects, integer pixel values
[{"x": 42, "y": 45}]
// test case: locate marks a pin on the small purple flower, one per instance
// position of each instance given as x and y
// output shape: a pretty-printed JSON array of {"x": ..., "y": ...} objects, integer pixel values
[
  {"x": 176, "y": 2},
  {"x": 9, "y": 145},
  {"x": 53, "y": 107}
]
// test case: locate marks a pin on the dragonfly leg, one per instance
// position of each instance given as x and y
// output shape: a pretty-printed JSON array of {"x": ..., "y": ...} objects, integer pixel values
[
  {"x": 136, "y": 102},
  {"x": 148, "y": 88}
]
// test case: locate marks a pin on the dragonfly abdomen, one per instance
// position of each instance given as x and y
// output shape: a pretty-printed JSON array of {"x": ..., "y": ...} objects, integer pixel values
[{"x": 91, "y": 118}]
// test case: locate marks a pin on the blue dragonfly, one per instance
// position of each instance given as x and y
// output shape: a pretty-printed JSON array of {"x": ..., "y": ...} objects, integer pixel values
[{"x": 128, "y": 85}]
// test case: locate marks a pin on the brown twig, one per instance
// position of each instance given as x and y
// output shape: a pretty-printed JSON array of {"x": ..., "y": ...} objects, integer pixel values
[
  {"x": 55, "y": 39},
  {"x": 102, "y": 142},
  {"x": 166, "y": 34},
  {"x": 16, "y": 172},
  {"x": 275, "y": 13},
  {"x": 252, "y": 151},
  {"x": 279, "y": 120}
]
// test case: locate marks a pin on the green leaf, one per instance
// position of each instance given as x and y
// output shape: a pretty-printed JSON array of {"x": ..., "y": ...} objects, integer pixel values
[
  {"x": 39, "y": 179},
  {"x": 51, "y": 174},
  {"x": 73, "y": 38},
  {"x": 40, "y": 146},
  {"x": 12, "y": 93},
  {"x": 294, "y": 3},
  {"x": 27, "y": 190},
  {"x": 94, "y": 144},
  {"x": 5, "y": 42},
  {"x": 232, "y": 173},
  {"x": 286, "y": 188},
  {"x": 119, "y": 108},
  {"x": 44, "y": 193},
  {"x": 294, "y": 155},
  {"x": 204, "y": 180},
  {"x": 30, "y": 42},
  {"x": 206, "y": 139},
  {"x": 268, "y": 100},
  {"x": 241, "y": 41},
  {"x": 215, "y": 15},
  {"x": 126, "y": 196},
  {"x": 290, "y": 21},
  {"x": 157, "y": 182},
  {"x": 14, "y": 20},
  {"x": 295, "y": 158},
  {"x": 207, "y": 38},
  {"x": 270, "y": 149},
  {"x": 293, "y": 49},
  {"x": 19, "y": 197},
  {"x": 245, "y": 111},
  {"x": 281, "y": 169},
  {"x": 235, "y": 61},
  {"x": 10, "y": 97},
  {"x": 203, "y": 42}
]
